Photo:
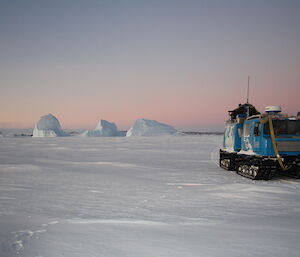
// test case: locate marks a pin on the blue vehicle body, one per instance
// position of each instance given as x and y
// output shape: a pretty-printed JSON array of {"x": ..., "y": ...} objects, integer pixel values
[
  {"x": 248, "y": 146},
  {"x": 232, "y": 137}
]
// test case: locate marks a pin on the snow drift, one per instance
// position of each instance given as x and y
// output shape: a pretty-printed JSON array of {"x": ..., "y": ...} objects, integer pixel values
[
  {"x": 143, "y": 127},
  {"x": 103, "y": 129},
  {"x": 48, "y": 126}
]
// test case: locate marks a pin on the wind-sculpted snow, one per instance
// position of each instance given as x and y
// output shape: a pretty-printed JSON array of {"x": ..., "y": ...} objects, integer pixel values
[
  {"x": 143, "y": 127},
  {"x": 103, "y": 129},
  {"x": 48, "y": 126},
  {"x": 140, "y": 196}
]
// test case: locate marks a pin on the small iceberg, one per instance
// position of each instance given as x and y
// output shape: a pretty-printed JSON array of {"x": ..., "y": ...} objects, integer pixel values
[
  {"x": 143, "y": 127},
  {"x": 48, "y": 126},
  {"x": 103, "y": 129}
]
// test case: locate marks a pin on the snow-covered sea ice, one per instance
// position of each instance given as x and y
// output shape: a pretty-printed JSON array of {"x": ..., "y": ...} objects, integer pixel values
[{"x": 138, "y": 196}]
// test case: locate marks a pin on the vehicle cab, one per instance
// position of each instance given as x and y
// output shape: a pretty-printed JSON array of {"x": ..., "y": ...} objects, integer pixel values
[{"x": 257, "y": 139}]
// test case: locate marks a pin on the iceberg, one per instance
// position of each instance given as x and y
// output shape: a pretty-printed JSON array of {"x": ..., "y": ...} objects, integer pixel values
[
  {"x": 143, "y": 127},
  {"x": 103, "y": 129},
  {"x": 48, "y": 126}
]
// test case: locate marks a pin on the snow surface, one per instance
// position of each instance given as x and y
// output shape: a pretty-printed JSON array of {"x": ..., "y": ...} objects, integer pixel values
[
  {"x": 143, "y": 127},
  {"x": 48, "y": 126},
  {"x": 138, "y": 196},
  {"x": 103, "y": 129},
  {"x": 248, "y": 152}
]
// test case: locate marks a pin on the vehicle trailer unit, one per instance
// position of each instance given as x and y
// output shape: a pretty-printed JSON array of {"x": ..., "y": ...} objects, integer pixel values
[{"x": 261, "y": 146}]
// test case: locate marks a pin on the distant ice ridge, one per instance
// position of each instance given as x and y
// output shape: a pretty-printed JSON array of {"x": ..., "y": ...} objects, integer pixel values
[
  {"x": 143, "y": 127},
  {"x": 48, "y": 126},
  {"x": 103, "y": 129}
]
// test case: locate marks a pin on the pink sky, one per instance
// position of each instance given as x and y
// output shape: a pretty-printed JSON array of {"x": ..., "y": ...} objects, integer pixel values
[
  {"x": 194, "y": 108},
  {"x": 185, "y": 63}
]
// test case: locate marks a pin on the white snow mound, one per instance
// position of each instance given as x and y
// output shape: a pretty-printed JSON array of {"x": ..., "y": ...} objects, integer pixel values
[
  {"x": 103, "y": 129},
  {"x": 48, "y": 126},
  {"x": 143, "y": 127}
]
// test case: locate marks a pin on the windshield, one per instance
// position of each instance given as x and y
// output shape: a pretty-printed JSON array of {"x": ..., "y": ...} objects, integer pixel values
[{"x": 284, "y": 127}]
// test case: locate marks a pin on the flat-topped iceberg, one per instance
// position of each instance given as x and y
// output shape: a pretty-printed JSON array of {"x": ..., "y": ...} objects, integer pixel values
[
  {"x": 48, "y": 126},
  {"x": 143, "y": 127},
  {"x": 103, "y": 129}
]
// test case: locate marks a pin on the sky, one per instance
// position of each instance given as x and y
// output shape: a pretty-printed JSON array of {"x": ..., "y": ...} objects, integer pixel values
[{"x": 184, "y": 63}]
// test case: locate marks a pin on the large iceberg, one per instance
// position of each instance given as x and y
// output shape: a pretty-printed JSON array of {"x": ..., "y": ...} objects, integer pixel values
[
  {"x": 143, "y": 127},
  {"x": 103, "y": 129},
  {"x": 48, "y": 126}
]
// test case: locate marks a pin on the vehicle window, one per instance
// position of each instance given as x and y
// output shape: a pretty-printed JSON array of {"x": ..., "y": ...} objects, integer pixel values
[
  {"x": 240, "y": 131},
  {"x": 229, "y": 131},
  {"x": 246, "y": 130},
  {"x": 257, "y": 129},
  {"x": 284, "y": 127},
  {"x": 226, "y": 132}
]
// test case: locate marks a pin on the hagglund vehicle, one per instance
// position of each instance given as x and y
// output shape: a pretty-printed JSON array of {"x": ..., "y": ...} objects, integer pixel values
[{"x": 260, "y": 146}]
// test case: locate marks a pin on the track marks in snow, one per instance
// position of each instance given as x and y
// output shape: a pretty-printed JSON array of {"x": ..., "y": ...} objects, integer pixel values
[
  {"x": 94, "y": 191},
  {"x": 188, "y": 184},
  {"x": 53, "y": 222},
  {"x": 266, "y": 189},
  {"x": 101, "y": 163},
  {"x": 4, "y": 198},
  {"x": 148, "y": 223},
  {"x": 289, "y": 181},
  {"x": 50, "y": 223},
  {"x": 120, "y": 164},
  {"x": 116, "y": 222},
  {"x": 18, "y": 167}
]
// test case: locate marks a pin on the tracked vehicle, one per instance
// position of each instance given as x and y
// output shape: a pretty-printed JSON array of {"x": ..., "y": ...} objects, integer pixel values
[{"x": 261, "y": 146}]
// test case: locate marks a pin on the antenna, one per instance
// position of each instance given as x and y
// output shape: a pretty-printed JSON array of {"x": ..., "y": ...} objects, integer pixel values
[{"x": 248, "y": 90}]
